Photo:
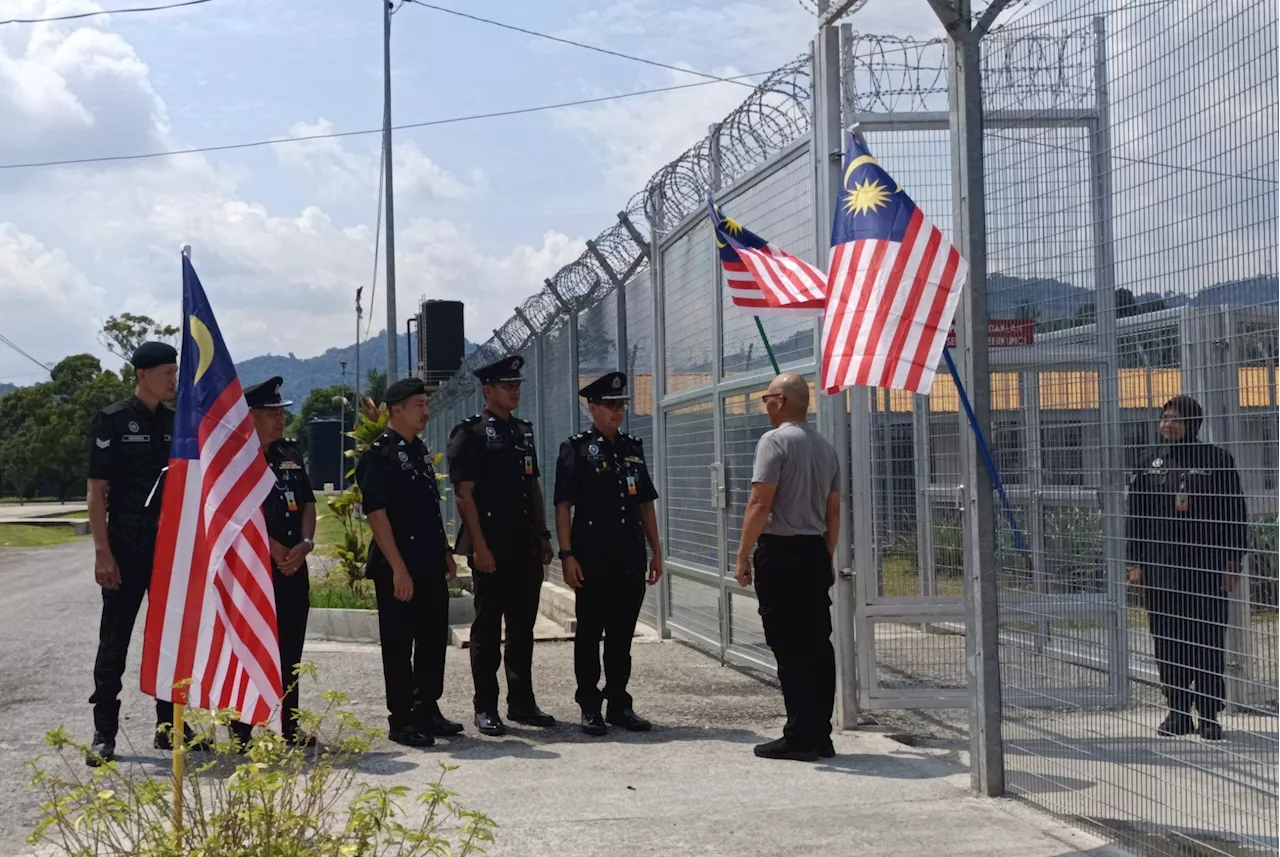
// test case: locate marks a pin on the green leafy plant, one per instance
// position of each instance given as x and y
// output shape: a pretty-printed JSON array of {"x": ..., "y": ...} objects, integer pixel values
[
  {"x": 1264, "y": 556},
  {"x": 276, "y": 798}
]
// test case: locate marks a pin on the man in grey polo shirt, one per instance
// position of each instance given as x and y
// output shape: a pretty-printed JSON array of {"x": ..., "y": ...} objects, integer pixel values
[{"x": 792, "y": 519}]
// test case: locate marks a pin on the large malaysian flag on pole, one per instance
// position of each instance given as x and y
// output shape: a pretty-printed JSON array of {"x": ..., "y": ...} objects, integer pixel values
[
  {"x": 892, "y": 286},
  {"x": 211, "y": 636}
]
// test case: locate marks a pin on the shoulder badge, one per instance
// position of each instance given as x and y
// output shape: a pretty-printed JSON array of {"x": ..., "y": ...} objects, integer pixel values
[{"x": 1157, "y": 462}]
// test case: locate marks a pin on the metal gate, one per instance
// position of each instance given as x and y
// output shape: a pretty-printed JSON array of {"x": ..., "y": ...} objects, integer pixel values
[{"x": 907, "y": 490}]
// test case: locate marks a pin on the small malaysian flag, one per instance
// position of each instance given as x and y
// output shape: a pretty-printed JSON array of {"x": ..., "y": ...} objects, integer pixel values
[
  {"x": 759, "y": 276},
  {"x": 893, "y": 287},
  {"x": 211, "y": 639}
]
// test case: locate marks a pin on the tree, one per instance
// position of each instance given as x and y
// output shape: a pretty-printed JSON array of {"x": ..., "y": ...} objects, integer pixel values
[
  {"x": 375, "y": 386},
  {"x": 322, "y": 403},
  {"x": 122, "y": 334}
]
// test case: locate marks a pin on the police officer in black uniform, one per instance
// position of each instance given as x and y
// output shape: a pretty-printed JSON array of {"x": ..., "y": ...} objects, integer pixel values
[
  {"x": 1187, "y": 532},
  {"x": 128, "y": 452},
  {"x": 290, "y": 514},
  {"x": 493, "y": 465},
  {"x": 602, "y": 476},
  {"x": 411, "y": 564}
]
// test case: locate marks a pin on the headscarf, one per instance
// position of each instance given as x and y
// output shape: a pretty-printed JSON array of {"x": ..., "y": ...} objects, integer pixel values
[{"x": 1191, "y": 413}]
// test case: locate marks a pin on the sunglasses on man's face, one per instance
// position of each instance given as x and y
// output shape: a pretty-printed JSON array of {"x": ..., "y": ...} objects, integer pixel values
[{"x": 767, "y": 396}]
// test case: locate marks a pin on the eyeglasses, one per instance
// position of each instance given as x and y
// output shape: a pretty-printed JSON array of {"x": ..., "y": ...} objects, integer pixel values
[{"x": 767, "y": 396}]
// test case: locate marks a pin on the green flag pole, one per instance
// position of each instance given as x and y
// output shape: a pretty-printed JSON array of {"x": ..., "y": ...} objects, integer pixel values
[{"x": 767, "y": 347}]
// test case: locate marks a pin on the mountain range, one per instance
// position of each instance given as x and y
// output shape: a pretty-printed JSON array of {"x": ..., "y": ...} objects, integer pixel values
[{"x": 303, "y": 374}]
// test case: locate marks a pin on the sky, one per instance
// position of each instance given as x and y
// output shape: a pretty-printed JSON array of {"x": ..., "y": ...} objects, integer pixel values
[{"x": 283, "y": 235}]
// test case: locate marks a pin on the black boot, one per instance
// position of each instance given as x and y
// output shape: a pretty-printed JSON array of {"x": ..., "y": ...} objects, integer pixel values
[
  {"x": 1177, "y": 723},
  {"x": 1210, "y": 729},
  {"x": 435, "y": 723},
  {"x": 489, "y": 723},
  {"x": 593, "y": 724},
  {"x": 629, "y": 720},
  {"x": 530, "y": 715},
  {"x": 164, "y": 739},
  {"x": 103, "y": 750}
]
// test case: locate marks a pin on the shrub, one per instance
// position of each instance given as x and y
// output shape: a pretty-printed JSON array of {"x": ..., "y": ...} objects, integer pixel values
[
  {"x": 276, "y": 800},
  {"x": 1263, "y": 560}
]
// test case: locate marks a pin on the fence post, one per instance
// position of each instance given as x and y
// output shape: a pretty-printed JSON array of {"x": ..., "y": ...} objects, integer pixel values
[
  {"x": 833, "y": 419},
  {"x": 659, "y": 420},
  {"x": 981, "y": 574}
]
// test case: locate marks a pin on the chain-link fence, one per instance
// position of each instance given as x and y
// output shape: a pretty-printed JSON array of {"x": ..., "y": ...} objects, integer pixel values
[{"x": 1129, "y": 182}]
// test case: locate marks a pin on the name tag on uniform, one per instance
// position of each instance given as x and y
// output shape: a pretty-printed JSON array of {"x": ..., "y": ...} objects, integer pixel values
[
  {"x": 631, "y": 485},
  {"x": 635, "y": 459},
  {"x": 528, "y": 465},
  {"x": 291, "y": 500},
  {"x": 136, "y": 438},
  {"x": 289, "y": 465}
]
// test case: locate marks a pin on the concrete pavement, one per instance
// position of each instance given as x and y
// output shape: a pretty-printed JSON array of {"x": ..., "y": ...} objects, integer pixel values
[{"x": 690, "y": 787}]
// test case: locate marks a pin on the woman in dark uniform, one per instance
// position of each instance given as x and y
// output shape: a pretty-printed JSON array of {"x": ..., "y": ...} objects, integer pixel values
[{"x": 1187, "y": 532}]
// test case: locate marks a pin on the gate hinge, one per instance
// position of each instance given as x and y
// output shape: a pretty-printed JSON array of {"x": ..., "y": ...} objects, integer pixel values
[{"x": 846, "y": 573}]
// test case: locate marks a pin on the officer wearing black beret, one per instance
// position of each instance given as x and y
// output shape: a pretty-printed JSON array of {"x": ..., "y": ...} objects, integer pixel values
[
  {"x": 493, "y": 464},
  {"x": 411, "y": 565},
  {"x": 290, "y": 514},
  {"x": 603, "y": 481},
  {"x": 128, "y": 452}
]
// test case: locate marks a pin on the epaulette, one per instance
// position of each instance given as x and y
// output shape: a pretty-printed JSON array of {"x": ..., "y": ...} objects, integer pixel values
[
  {"x": 625, "y": 436},
  {"x": 523, "y": 422},
  {"x": 580, "y": 435},
  {"x": 116, "y": 407},
  {"x": 471, "y": 420},
  {"x": 288, "y": 441}
]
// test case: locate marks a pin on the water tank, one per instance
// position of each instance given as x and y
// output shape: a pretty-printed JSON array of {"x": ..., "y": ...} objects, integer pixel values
[
  {"x": 440, "y": 342},
  {"x": 324, "y": 438}
]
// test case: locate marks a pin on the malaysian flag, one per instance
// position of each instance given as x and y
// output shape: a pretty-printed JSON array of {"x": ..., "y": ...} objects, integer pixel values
[
  {"x": 212, "y": 615},
  {"x": 761, "y": 277},
  {"x": 893, "y": 284}
]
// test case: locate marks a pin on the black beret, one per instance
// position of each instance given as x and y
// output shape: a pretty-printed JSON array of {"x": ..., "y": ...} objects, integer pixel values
[
  {"x": 266, "y": 394},
  {"x": 611, "y": 387},
  {"x": 404, "y": 388},
  {"x": 152, "y": 354},
  {"x": 504, "y": 371}
]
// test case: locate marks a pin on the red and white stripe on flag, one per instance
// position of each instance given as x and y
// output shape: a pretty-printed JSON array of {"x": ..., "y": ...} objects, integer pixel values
[
  {"x": 804, "y": 292},
  {"x": 889, "y": 309},
  {"x": 211, "y": 617}
]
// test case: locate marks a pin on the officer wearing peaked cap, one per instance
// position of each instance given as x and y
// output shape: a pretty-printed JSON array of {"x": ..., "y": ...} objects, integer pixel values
[
  {"x": 411, "y": 564},
  {"x": 290, "y": 514},
  {"x": 603, "y": 482},
  {"x": 493, "y": 464},
  {"x": 128, "y": 452}
]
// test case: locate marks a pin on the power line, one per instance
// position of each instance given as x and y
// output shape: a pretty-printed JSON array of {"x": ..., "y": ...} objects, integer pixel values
[
  {"x": 9, "y": 342},
  {"x": 80, "y": 15},
  {"x": 336, "y": 134},
  {"x": 582, "y": 45}
]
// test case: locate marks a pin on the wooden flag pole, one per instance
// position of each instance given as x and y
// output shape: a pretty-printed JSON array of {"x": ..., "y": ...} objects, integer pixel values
[
  {"x": 773, "y": 361},
  {"x": 178, "y": 740}
]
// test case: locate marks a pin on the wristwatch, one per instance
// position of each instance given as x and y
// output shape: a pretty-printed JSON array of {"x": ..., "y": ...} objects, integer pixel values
[
  {"x": 565, "y": 555},
  {"x": 309, "y": 542}
]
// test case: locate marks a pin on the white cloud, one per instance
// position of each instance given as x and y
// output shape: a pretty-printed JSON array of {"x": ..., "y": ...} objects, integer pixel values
[
  {"x": 342, "y": 171},
  {"x": 89, "y": 241}
]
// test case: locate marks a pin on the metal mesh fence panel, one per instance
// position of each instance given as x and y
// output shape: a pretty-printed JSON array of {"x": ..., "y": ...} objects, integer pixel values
[
  {"x": 778, "y": 206},
  {"x": 687, "y": 307},
  {"x": 597, "y": 348},
  {"x": 1131, "y": 232},
  {"x": 558, "y": 373},
  {"x": 639, "y": 369}
]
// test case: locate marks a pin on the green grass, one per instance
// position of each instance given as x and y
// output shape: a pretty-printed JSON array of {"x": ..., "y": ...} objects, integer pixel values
[
  {"x": 14, "y": 501},
  {"x": 329, "y": 534},
  {"x": 27, "y": 536},
  {"x": 901, "y": 580},
  {"x": 340, "y": 597},
  {"x": 73, "y": 516}
]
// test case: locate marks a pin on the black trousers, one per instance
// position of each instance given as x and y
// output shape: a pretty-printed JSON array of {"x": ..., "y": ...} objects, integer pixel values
[
  {"x": 1188, "y": 630},
  {"x": 793, "y": 579},
  {"x": 133, "y": 551},
  {"x": 293, "y": 604},
  {"x": 608, "y": 605},
  {"x": 510, "y": 593},
  {"x": 414, "y": 636}
]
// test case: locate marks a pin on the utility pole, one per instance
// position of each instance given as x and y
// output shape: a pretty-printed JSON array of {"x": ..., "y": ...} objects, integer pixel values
[
  {"x": 392, "y": 326},
  {"x": 342, "y": 423},
  {"x": 359, "y": 314}
]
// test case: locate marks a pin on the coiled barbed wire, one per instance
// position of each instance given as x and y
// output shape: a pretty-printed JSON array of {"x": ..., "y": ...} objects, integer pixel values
[{"x": 883, "y": 74}]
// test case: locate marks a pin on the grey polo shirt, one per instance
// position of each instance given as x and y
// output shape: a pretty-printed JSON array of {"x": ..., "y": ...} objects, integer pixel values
[{"x": 802, "y": 463}]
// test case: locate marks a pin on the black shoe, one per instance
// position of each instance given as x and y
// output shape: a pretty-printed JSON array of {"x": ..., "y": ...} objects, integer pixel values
[
  {"x": 164, "y": 740},
  {"x": 102, "y": 750},
  {"x": 489, "y": 723},
  {"x": 439, "y": 725},
  {"x": 593, "y": 724},
  {"x": 1176, "y": 724},
  {"x": 530, "y": 715},
  {"x": 629, "y": 720},
  {"x": 782, "y": 749},
  {"x": 1210, "y": 730},
  {"x": 828, "y": 750},
  {"x": 410, "y": 737}
]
